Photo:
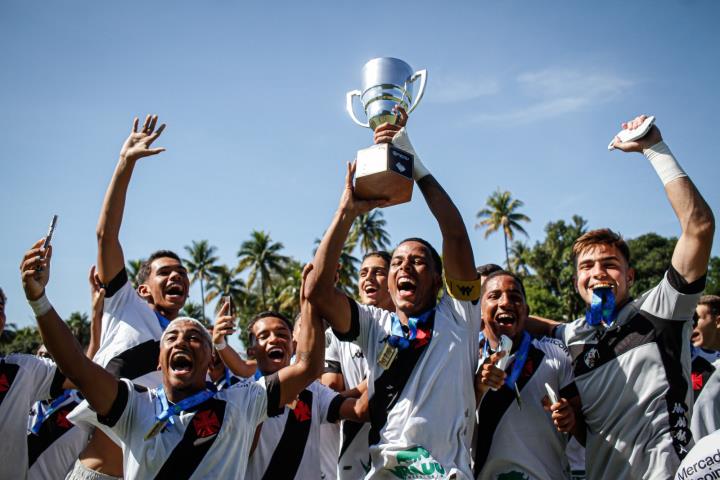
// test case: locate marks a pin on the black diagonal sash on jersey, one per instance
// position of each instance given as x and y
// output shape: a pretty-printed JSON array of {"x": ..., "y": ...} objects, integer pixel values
[
  {"x": 495, "y": 404},
  {"x": 350, "y": 430},
  {"x": 288, "y": 454},
  {"x": 199, "y": 437},
  {"x": 8, "y": 372},
  {"x": 52, "y": 429},
  {"x": 391, "y": 383}
]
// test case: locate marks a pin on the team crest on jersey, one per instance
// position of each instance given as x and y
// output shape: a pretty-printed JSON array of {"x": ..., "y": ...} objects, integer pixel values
[
  {"x": 206, "y": 423},
  {"x": 591, "y": 357},
  {"x": 416, "y": 463},
  {"x": 4, "y": 383},
  {"x": 61, "y": 419},
  {"x": 302, "y": 411}
]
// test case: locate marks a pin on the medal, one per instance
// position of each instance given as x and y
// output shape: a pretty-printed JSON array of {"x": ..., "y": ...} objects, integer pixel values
[
  {"x": 169, "y": 411},
  {"x": 387, "y": 356}
]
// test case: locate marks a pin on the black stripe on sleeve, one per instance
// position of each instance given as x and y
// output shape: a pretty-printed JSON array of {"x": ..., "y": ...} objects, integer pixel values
[
  {"x": 569, "y": 391},
  {"x": 117, "y": 408},
  {"x": 56, "y": 387},
  {"x": 114, "y": 285},
  {"x": 272, "y": 387},
  {"x": 331, "y": 366},
  {"x": 333, "y": 413},
  {"x": 678, "y": 282},
  {"x": 354, "y": 331}
]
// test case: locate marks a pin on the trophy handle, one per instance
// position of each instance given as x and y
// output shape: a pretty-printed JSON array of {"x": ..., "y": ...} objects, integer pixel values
[
  {"x": 349, "y": 107},
  {"x": 422, "y": 74}
]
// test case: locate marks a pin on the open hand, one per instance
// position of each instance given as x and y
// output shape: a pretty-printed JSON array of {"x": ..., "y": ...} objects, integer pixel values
[
  {"x": 138, "y": 144},
  {"x": 352, "y": 205},
  {"x": 651, "y": 138},
  {"x": 35, "y": 270}
]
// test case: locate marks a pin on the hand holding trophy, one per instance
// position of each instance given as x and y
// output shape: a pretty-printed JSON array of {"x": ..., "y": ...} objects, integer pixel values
[{"x": 384, "y": 171}]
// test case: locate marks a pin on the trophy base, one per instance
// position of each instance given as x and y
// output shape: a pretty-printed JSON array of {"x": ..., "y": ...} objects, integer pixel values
[{"x": 384, "y": 172}]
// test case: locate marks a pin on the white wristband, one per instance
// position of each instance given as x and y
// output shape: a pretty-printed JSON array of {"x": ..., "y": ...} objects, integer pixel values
[
  {"x": 41, "y": 306},
  {"x": 220, "y": 346},
  {"x": 664, "y": 163},
  {"x": 402, "y": 141}
]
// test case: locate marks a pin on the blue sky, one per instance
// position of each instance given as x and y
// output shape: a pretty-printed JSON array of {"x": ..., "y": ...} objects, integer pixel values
[{"x": 522, "y": 96}]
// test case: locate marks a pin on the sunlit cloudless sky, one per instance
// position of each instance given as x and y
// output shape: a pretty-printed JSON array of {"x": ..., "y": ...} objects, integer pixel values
[{"x": 522, "y": 96}]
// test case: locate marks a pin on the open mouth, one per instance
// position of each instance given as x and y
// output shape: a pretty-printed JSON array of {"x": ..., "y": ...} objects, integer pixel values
[
  {"x": 601, "y": 285},
  {"x": 505, "y": 319},
  {"x": 406, "y": 287},
  {"x": 370, "y": 291},
  {"x": 175, "y": 291},
  {"x": 276, "y": 353},
  {"x": 181, "y": 363}
]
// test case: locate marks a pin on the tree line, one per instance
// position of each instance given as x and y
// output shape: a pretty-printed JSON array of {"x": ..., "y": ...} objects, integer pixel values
[{"x": 265, "y": 279}]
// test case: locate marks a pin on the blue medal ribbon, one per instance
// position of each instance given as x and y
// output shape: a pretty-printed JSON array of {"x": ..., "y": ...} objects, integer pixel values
[
  {"x": 43, "y": 414},
  {"x": 398, "y": 338},
  {"x": 519, "y": 361},
  {"x": 602, "y": 307},
  {"x": 164, "y": 322},
  {"x": 170, "y": 411}
]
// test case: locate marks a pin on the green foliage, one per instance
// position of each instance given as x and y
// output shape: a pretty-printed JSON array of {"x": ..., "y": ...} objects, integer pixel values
[
  {"x": 200, "y": 266},
  {"x": 552, "y": 291},
  {"x": 650, "y": 256},
  {"x": 712, "y": 286},
  {"x": 133, "y": 268},
  {"x": 500, "y": 213},
  {"x": 22, "y": 340},
  {"x": 80, "y": 327},
  {"x": 261, "y": 256},
  {"x": 368, "y": 232}
]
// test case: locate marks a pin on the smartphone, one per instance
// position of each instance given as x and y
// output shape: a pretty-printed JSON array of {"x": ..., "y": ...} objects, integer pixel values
[
  {"x": 506, "y": 344},
  {"x": 51, "y": 230},
  {"x": 228, "y": 299}
]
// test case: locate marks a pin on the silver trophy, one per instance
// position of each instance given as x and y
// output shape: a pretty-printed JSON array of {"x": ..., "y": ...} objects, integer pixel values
[{"x": 384, "y": 171}]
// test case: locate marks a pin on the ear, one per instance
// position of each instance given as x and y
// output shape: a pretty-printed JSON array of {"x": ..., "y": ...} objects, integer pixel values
[
  {"x": 630, "y": 277},
  {"x": 144, "y": 291},
  {"x": 575, "y": 283},
  {"x": 251, "y": 351}
]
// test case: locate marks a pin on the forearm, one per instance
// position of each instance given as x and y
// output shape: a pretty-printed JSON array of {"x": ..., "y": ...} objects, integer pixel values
[
  {"x": 95, "y": 334},
  {"x": 457, "y": 251},
  {"x": 540, "y": 326},
  {"x": 235, "y": 363},
  {"x": 696, "y": 219},
  {"x": 110, "y": 258}
]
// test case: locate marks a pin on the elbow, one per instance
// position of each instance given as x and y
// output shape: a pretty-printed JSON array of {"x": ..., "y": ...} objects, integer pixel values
[{"x": 702, "y": 224}]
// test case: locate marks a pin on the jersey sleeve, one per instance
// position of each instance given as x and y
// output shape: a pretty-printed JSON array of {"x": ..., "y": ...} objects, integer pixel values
[
  {"x": 566, "y": 377},
  {"x": 673, "y": 298},
  {"x": 46, "y": 378},
  {"x": 464, "y": 312},
  {"x": 328, "y": 403},
  {"x": 365, "y": 326},
  {"x": 119, "y": 293},
  {"x": 332, "y": 353}
]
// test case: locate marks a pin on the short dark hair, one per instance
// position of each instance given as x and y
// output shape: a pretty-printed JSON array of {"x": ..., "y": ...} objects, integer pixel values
[
  {"x": 144, "y": 271},
  {"x": 712, "y": 302},
  {"x": 487, "y": 269},
  {"x": 266, "y": 314},
  {"x": 504, "y": 273},
  {"x": 378, "y": 253},
  {"x": 601, "y": 236},
  {"x": 437, "y": 261}
]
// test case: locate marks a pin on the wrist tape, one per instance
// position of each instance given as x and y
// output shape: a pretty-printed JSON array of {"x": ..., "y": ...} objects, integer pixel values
[
  {"x": 220, "y": 346},
  {"x": 41, "y": 306},
  {"x": 664, "y": 163},
  {"x": 402, "y": 141}
]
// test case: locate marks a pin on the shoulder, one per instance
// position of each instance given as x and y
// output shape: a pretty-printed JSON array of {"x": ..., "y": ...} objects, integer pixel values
[
  {"x": 29, "y": 362},
  {"x": 551, "y": 345}
]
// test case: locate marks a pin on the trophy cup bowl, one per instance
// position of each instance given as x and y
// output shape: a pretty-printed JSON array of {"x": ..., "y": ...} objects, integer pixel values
[{"x": 384, "y": 171}]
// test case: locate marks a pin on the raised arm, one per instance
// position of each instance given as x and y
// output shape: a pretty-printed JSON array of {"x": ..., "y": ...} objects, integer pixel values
[
  {"x": 225, "y": 325},
  {"x": 97, "y": 385},
  {"x": 110, "y": 255},
  {"x": 329, "y": 302},
  {"x": 457, "y": 252},
  {"x": 692, "y": 251},
  {"x": 97, "y": 295},
  {"x": 310, "y": 351}
]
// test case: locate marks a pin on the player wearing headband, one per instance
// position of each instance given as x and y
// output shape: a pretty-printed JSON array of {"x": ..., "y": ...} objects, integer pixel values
[
  {"x": 631, "y": 356},
  {"x": 421, "y": 416}
]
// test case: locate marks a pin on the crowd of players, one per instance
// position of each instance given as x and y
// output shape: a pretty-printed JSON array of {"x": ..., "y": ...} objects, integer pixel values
[{"x": 411, "y": 379}]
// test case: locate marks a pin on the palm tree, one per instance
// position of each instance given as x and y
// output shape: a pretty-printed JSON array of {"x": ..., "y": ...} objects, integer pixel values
[
  {"x": 201, "y": 266},
  {"x": 192, "y": 310},
  {"x": 133, "y": 269},
  {"x": 262, "y": 257},
  {"x": 501, "y": 213},
  {"x": 288, "y": 291},
  {"x": 226, "y": 283},
  {"x": 519, "y": 253},
  {"x": 368, "y": 231},
  {"x": 79, "y": 325}
]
